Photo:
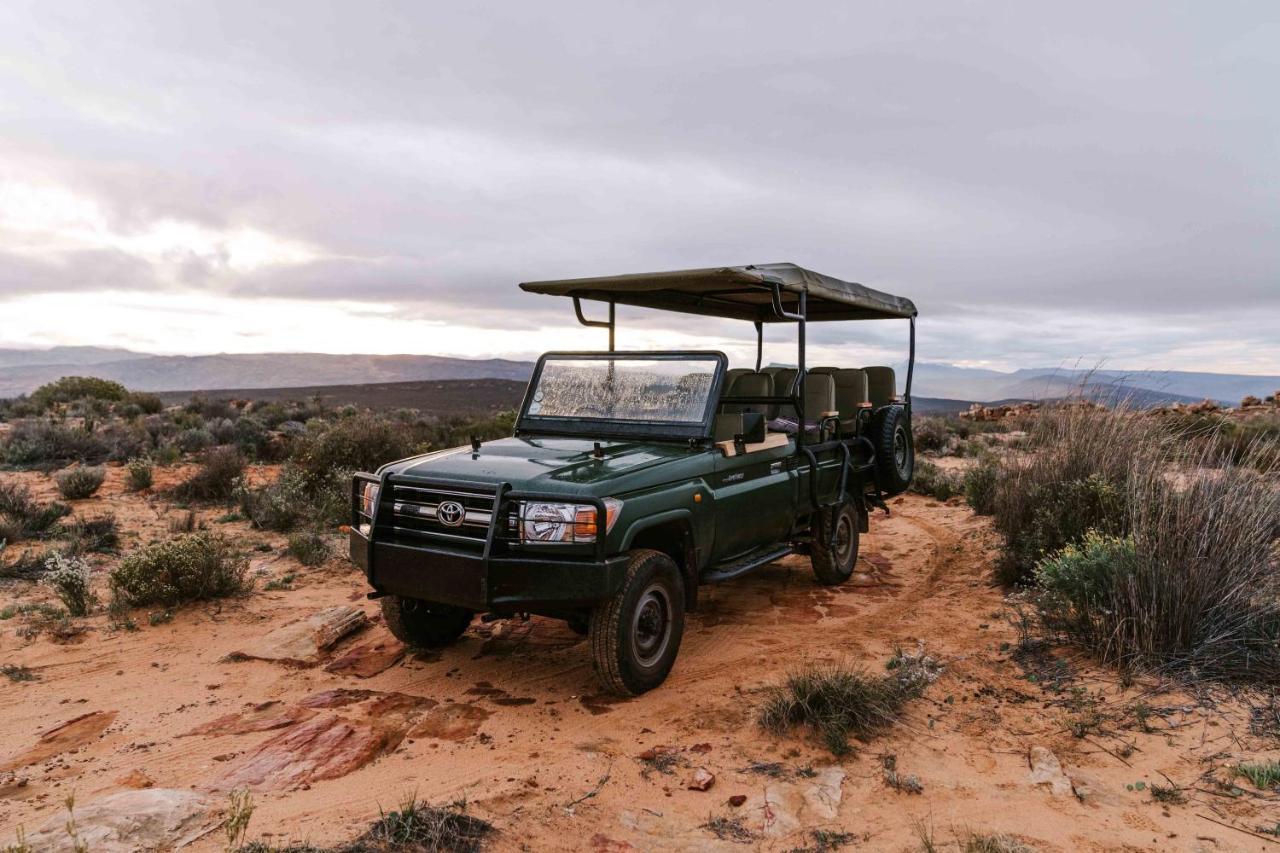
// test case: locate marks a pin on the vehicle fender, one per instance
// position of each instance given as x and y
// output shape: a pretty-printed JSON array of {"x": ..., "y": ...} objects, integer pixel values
[{"x": 689, "y": 567}]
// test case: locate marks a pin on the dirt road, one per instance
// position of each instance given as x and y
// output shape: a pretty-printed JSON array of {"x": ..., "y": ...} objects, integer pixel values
[{"x": 511, "y": 721}]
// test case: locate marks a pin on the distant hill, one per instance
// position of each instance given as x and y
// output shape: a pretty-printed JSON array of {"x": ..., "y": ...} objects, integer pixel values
[
  {"x": 437, "y": 396},
  {"x": 261, "y": 370},
  {"x": 22, "y": 371}
]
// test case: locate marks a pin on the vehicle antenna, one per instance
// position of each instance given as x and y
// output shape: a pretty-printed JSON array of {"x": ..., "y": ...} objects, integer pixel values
[{"x": 475, "y": 444}]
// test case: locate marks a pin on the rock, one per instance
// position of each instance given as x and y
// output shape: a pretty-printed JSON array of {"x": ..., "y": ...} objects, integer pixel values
[
  {"x": 336, "y": 698},
  {"x": 264, "y": 717},
  {"x": 304, "y": 642},
  {"x": 321, "y": 748},
  {"x": 737, "y": 800},
  {"x": 785, "y": 807},
  {"x": 327, "y": 745},
  {"x": 822, "y": 793},
  {"x": 1091, "y": 790},
  {"x": 368, "y": 659},
  {"x": 1046, "y": 770},
  {"x": 74, "y": 733},
  {"x": 150, "y": 819},
  {"x": 702, "y": 780},
  {"x": 457, "y": 721},
  {"x": 136, "y": 779}
]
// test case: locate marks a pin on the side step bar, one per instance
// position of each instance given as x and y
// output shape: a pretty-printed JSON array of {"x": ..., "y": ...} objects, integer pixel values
[{"x": 746, "y": 563}]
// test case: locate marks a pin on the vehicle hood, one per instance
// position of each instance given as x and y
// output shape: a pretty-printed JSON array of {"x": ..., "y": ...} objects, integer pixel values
[{"x": 556, "y": 465}]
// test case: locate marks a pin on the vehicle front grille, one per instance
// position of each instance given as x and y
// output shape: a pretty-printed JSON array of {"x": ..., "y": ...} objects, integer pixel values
[{"x": 457, "y": 515}]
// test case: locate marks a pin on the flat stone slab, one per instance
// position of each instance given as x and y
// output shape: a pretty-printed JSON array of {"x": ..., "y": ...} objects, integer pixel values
[
  {"x": 368, "y": 659},
  {"x": 304, "y": 643},
  {"x": 146, "y": 819},
  {"x": 72, "y": 734}
]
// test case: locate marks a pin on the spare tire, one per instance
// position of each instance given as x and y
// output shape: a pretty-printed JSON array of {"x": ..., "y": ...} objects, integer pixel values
[{"x": 890, "y": 434}]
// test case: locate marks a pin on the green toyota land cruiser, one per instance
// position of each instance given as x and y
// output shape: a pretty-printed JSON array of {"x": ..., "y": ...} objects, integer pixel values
[{"x": 635, "y": 477}]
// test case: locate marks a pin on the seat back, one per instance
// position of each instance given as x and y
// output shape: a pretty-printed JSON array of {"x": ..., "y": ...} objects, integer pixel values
[
  {"x": 749, "y": 384},
  {"x": 882, "y": 386},
  {"x": 732, "y": 374},
  {"x": 851, "y": 389},
  {"x": 819, "y": 396}
]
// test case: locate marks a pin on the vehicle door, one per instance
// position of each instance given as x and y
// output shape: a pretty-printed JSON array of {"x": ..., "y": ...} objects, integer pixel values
[{"x": 755, "y": 499}]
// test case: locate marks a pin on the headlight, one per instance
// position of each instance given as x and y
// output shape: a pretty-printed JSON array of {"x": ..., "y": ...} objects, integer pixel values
[
  {"x": 368, "y": 499},
  {"x": 564, "y": 522}
]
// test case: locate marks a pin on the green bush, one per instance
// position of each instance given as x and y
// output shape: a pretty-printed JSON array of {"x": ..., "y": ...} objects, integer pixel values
[
  {"x": 21, "y": 517},
  {"x": 148, "y": 404},
  {"x": 80, "y": 483},
  {"x": 194, "y": 440},
  {"x": 69, "y": 577},
  {"x": 309, "y": 547},
  {"x": 70, "y": 388},
  {"x": 838, "y": 702},
  {"x": 363, "y": 443},
  {"x": 1191, "y": 588},
  {"x": 934, "y": 482},
  {"x": 980, "y": 484},
  {"x": 217, "y": 479},
  {"x": 192, "y": 567},
  {"x": 929, "y": 434},
  {"x": 1075, "y": 479},
  {"x": 100, "y": 534},
  {"x": 44, "y": 443},
  {"x": 141, "y": 475}
]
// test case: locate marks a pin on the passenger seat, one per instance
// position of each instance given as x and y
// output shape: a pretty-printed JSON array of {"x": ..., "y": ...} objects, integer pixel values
[
  {"x": 749, "y": 384},
  {"x": 851, "y": 394},
  {"x": 882, "y": 386}
]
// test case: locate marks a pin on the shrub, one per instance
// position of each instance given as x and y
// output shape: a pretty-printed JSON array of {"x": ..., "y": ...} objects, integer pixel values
[
  {"x": 80, "y": 483},
  {"x": 362, "y": 443},
  {"x": 1076, "y": 480},
  {"x": 1192, "y": 589},
  {"x": 193, "y": 567},
  {"x": 194, "y": 440},
  {"x": 140, "y": 475},
  {"x": 929, "y": 434},
  {"x": 980, "y": 484},
  {"x": 933, "y": 481},
  {"x": 46, "y": 443},
  {"x": 21, "y": 517},
  {"x": 839, "y": 701},
  {"x": 148, "y": 404},
  {"x": 217, "y": 478},
  {"x": 100, "y": 534},
  {"x": 126, "y": 441},
  {"x": 69, "y": 577},
  {"x": 70, "y": 388},
  {"x": 309, "y": 548}
]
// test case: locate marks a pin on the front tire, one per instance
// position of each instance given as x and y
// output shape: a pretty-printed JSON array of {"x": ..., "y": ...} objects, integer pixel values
[
  {"x": 636, "y": 635},
  {"x": 833, "y": 562},
  {"x": 424, "y": 623}
]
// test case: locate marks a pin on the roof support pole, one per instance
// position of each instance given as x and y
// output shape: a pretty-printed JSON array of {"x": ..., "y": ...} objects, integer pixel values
[
  {"x": 802, "y": 315},
  {"x": 759, "y": 344},
  {"x": 911, "y": 364},
  {"x": 598, "y": 324}
]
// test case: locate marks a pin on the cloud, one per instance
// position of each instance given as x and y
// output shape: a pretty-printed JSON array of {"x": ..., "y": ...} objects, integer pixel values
[{"x": 1043, "y": 187}]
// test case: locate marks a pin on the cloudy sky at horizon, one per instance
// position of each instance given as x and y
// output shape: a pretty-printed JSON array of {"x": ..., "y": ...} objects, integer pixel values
[{"x": 1095, "y": 182}]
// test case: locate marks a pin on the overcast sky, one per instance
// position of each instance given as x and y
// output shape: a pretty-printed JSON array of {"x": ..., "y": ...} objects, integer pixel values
[{"x": 1050, "y": 183}]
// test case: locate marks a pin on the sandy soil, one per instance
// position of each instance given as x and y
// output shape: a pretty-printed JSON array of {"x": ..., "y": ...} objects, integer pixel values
[{"x": 511, "y": 721}]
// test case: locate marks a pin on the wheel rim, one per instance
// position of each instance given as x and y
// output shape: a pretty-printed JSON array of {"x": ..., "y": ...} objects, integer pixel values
[
  {"x": 900, "y": 449},
  {"x": 651, "y": 625},
  {"x": 844, "y": 539}
]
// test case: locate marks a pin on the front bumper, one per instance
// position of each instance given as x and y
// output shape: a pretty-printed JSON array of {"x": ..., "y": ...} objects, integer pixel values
[{"x": 485, "y": 584}]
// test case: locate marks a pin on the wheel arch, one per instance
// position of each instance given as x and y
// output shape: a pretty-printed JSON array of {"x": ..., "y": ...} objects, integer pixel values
[{"x": 672, "y": 534}]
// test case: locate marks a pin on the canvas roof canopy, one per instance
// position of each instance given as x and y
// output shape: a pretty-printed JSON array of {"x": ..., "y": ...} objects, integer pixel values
[{"x": 741, "y": 293}]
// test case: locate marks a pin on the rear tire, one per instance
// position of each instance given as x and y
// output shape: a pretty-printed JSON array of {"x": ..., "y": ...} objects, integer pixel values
[
  {"x": 424, "y": 623},
  {"x": 635, "y": 635},
  {"x": 890, "y": 434},
  {"x": 834, "y": 564}
]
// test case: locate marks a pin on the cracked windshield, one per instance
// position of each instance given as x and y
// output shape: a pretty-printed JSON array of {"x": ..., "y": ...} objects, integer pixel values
[{"x": 625, "y": 389}]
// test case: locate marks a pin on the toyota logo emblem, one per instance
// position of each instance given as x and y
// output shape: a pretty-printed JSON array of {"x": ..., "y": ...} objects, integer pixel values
[{"x": 451, "y": 513}]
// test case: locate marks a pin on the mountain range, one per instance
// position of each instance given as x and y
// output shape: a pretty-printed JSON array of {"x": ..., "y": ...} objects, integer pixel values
[{"x": 23, "y": 370}]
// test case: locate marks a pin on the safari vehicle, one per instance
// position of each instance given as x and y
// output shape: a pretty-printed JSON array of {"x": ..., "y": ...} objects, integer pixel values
[{"x": 633, "y": 478}]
